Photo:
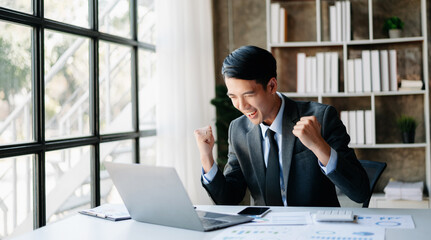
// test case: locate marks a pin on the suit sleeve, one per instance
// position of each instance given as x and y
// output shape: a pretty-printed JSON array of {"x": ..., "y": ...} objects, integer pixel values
[
  {"x": 228, "y": 188},
  {"x": 348, "y": 175}
]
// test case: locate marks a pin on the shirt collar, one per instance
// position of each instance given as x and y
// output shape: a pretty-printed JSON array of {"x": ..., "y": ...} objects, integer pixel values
[{"x": 277, "y": 124}]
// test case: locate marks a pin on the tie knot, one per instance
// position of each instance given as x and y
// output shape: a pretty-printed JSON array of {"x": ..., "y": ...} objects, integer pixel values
[{"x": 270, "y": 133}]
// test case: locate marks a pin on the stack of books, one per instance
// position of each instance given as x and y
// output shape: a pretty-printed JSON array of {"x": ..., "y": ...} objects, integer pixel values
[
  {"x": 278, "y": 23},
  {"x": 407, "y": 191},
  {"x": 376, "y": 71},
  {"x": 359, "y": 126},
  {"x": 317, "y": 74},
  {"x": 339, "y": 21}
]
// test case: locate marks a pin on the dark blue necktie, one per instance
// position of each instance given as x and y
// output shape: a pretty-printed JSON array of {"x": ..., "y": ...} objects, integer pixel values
[{"x": 272, "y": 181}]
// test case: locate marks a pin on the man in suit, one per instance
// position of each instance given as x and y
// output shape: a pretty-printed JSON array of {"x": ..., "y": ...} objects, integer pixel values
[{"x": 288, "y": 153}]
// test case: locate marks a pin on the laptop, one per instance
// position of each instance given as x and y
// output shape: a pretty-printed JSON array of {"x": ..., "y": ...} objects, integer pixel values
[{"x": 156, "y": 195}]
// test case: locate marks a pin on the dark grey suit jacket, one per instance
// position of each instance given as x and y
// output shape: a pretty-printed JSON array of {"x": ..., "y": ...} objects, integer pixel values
[{"x": 307, "y": 185}]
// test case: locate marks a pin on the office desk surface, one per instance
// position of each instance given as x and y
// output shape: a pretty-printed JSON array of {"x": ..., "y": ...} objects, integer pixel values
[{"x": 85, "y": 227}]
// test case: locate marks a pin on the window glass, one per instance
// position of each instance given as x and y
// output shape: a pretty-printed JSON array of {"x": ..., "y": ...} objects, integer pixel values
[
  {"x": 67, "y": 81},
  {"x": 147, "y": 152},
  {"x": 18, "y": 5},
  {"x": 16, "y": 195},
  {"x": 147, "y": 86},
  {"x": 16, "y": 106},
  {"x": 72, "y": 12},
  {"x": 118, "y": 151},
  {"x": 146, "y": 21},
  {"x": 115, "y": 87},
  {"x": 114, "y": 17},
  {"x": 67, "y": 177}
]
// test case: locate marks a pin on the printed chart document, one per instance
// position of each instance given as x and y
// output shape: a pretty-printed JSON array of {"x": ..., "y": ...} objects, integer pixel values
[
  {"x": 344, "y": 232},
  {"x": 283, "y": 218},
  {"x": 244, "y": 232},
  {"x": 113, "y": 212},
  {"x": 377, "y": 221},
  {"x": 301, "y": 233},
  {"x": 387, "y": 221}
]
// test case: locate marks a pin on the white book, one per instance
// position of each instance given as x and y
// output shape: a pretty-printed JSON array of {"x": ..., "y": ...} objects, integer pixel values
[
  {"x": 313, "y": 75},
  {"x": 344, "y": 116},
  {"x": 333, "y": 23},
  {"x": 328, "y": 69},
  {"x": 343, "y": 20},
  {"x": 348, "y": 21},
  {"x": 384, "y": 70},
  {"x": 352, "y": 127},
  {"x": 369, "y": 127},
  {"x": 308, "y": 74},
  {"x": 366, "y": 70},
  {"x": 375, "y": 70},
  {"x": 393, "y": 71},
  {"x": 350, "y": 75},
  {"x": 358, "y": 76},
  {"x": 360, "y": 124},
  {"x": 275, "y": 19},
  {"x": 300, "y": 73},
  {"x": 334, "y": 72},
  {"x": 338, "y": 20},
  {"x": 282, "y": 25},
  {"x": 320, "y": 77}
]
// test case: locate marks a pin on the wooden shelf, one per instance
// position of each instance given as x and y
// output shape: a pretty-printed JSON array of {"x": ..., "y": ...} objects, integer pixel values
[{"x": 387, "y": 106}]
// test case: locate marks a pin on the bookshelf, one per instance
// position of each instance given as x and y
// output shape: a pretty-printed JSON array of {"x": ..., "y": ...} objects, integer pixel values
[{"x": 308, "y": 30}]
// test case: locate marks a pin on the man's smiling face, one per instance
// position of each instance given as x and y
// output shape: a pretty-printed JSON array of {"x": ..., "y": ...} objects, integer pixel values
[{"x": 255, "y": 102}]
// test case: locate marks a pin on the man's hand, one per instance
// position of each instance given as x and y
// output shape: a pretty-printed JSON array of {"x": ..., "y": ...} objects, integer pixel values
[
  {"x": 205, "y": 141},
  {"x": 308, "y": 129}
]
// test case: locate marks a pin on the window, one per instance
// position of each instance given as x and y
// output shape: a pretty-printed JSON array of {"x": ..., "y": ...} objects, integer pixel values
[
  {"x": 68, "y": 182},
  {"x": 114, "y": 17},
  {"x": 16, "y": 88},
  {"x": 115, "y": 82},
  {"x": 76, "y": 90},
  {"x": 77, "y": 11},
  {"x": 67, "y": 84}
]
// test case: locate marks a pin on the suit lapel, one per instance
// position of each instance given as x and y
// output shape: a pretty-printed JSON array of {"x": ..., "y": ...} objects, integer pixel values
[
  {"x": 290, "y": 117},
  {"x": 254, "y": 143}
]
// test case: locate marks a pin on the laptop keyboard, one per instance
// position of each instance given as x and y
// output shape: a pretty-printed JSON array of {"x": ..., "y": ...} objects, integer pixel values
[{"x": 211, "y": 222}]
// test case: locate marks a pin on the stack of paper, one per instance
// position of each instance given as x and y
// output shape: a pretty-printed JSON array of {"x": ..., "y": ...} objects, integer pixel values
[{"x": 400, "y": 190}]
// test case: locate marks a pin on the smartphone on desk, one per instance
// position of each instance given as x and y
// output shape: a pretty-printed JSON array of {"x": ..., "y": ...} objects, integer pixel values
[{"x": 254, "y": 211}]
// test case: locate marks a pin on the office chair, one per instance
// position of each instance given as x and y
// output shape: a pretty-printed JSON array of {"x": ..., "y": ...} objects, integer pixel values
[{"x": 374, "y": 171}]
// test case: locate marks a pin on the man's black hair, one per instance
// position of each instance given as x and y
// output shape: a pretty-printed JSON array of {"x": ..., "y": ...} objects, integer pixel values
[{"x": 250, "y": 63}]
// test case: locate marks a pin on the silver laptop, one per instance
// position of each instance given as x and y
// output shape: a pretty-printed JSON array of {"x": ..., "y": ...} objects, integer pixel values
[{"x": 156, "y": 195}]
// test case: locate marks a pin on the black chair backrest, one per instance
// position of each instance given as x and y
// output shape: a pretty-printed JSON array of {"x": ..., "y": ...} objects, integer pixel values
[{"x": 374, "y": 171}]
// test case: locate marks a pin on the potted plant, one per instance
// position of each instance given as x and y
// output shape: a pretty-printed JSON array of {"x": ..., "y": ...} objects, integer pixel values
[
  {"x": 407, "y": 126},
  {"x": 393, "y": 26}
]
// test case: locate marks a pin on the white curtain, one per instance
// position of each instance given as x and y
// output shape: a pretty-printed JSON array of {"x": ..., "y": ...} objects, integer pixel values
[{"x": 185, "y": 86}]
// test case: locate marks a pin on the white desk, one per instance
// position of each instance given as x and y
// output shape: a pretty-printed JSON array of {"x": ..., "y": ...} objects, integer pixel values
[{"x": 84, "y": 227}]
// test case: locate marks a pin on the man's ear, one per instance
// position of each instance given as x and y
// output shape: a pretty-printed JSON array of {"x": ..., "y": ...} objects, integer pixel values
[{"x": 272, "y": 84}]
